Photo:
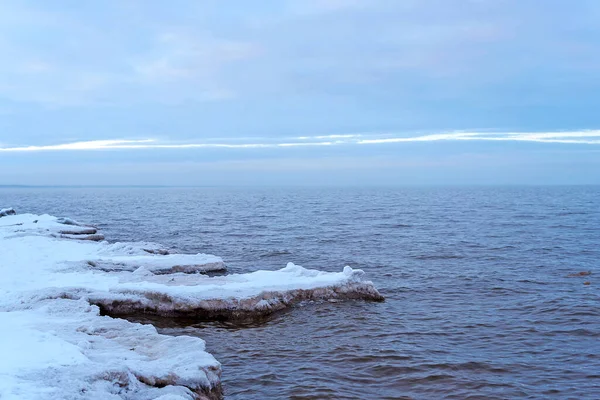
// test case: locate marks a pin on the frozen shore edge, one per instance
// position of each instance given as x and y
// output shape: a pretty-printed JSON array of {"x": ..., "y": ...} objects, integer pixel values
[{"x": 62, "y": 285}]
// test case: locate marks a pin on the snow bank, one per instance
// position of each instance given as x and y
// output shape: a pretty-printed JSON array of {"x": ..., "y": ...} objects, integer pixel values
[
  {"x": 54, "y": 291},
  {"x": 63, "y": 349},
  {"x": 36, "y": 232}
]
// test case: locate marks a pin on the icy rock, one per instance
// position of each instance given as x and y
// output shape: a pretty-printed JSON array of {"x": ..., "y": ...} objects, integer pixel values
[
  {"x": 162, "y": 252},
  {"x": 168, "y": 264},
  {"x": 68, "y": 221},
  {"x": 82, "y": 231},
  {"x": 81, "y": 236},
  {"x": 7, "y": 211}
]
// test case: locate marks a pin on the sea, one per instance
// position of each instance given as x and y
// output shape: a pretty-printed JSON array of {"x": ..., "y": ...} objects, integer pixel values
[{"x": 479, "y": 304}]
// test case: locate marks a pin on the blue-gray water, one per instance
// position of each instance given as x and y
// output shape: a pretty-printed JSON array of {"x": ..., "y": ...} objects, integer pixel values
[{"x": 478, "y": 305}]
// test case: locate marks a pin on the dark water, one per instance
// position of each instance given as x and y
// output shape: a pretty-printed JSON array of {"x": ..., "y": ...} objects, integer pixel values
[{"x": 479, "y": 304}]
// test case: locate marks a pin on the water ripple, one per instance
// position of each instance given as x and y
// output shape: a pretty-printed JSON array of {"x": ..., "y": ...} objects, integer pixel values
[{"x": 479, "y": 304}]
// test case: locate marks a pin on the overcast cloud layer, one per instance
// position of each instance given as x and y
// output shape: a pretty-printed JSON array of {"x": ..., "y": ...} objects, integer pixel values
[{"x": 299, "y": 91}]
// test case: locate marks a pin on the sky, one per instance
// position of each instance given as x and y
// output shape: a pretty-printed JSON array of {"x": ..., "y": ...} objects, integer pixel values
[{"x": 299, "y": 92}]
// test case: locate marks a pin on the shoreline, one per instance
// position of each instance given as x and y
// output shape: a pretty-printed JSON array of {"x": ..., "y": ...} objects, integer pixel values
[{"x": 72, "y": 282}]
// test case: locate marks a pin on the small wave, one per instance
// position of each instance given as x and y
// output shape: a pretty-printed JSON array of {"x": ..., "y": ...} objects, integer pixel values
[
  {"x": 394, "y": 226},
  {"x": 433, "y": 378},
  {"x": 244, "y": 235},
  {"x": 325, "y": 240},
  {"x": 577, "y": 332},
  {"x": 504, "y": 290},
  {"x": 275, "y": 253},
  {"x": 562, "y": 226},
  {"x": 590, "y": 313},
  {"x": 393, "y": 370},
  {"x": 531, "y": 281},
  {"x": 438, "y": 257},
  {"x": 502, "y": 248},
  {"x": 468, "y": 366},
  {"x": 567, "y": 213}
]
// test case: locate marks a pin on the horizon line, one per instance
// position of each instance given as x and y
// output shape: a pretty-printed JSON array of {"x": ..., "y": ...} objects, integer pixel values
[{"x": 126, "y": 186}]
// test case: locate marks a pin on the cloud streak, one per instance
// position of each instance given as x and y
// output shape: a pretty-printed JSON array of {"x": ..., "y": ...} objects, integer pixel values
[
  {"x": 573, "y": 137},
  {"x": 586, "y": 137}
]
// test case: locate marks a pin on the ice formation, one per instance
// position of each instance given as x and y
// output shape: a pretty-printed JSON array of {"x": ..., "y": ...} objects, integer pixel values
[
  {"x": 7, "y": 211},
  {"x": 56, "y": 289}
]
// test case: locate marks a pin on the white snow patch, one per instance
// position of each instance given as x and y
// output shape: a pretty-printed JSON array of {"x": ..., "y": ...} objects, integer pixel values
[
  {"x": 54, "y": 344},
  {"x": 63, "y": 349}
]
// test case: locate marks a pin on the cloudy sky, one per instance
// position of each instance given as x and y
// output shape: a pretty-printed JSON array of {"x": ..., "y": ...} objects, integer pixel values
[{"x": 190, "y": 92}]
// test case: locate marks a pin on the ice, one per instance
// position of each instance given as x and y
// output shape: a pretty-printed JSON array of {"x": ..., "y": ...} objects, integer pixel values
[
  {"x": 161, "y": 264},
  {"x": 63, "y": 349},
  {"x": 232, "y": 296},
  {"x": 57, "y": 341},
  {"x": 7, "y": 211}
]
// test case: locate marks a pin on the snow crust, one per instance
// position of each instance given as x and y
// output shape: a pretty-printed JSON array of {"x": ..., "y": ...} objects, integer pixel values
[
  {"x": 56, "y": 342},
  {"x": 63, "y": 349}
]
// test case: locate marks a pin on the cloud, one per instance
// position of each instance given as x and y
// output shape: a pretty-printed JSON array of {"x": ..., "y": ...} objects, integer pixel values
[
  {"x": 316, "y": 7},
  {"x": 589, "y": 137},
  {"x": 578, "y": 137},
  {"x": 78, "y": 146},
  {"x": 124, "y": 53},
  {"x": 53, "y": 58},
  {"x": 192, "y": 62}
]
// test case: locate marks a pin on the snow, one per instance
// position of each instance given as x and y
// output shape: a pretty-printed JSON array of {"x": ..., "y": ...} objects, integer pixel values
[
  {"x": 63, "y": 349},
  {"x": 168, "y": 263},
  {"x": 53, "y": 287}
]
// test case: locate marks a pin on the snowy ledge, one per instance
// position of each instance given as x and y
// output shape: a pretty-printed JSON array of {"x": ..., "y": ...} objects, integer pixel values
[{"x": 60, "y": 277}]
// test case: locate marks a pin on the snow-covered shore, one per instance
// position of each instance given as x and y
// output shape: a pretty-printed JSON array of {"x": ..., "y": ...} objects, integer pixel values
[{"x": 58, "y": 275}]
